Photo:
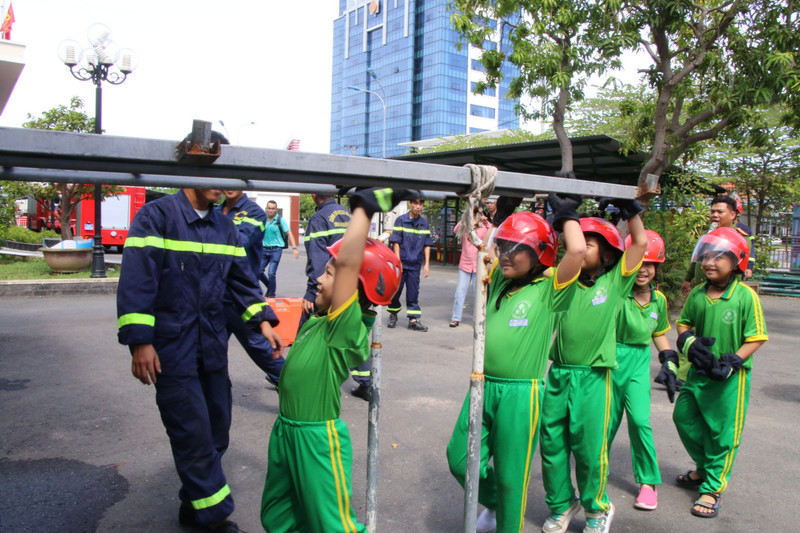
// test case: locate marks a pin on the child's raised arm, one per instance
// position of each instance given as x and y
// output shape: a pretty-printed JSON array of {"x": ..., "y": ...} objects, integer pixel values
[
  {"x": 635, "y": 252},
  {"x": 364, "y": 204},
  {"x": 566, "y": 220},
  {"x": 570, "y": 265}
]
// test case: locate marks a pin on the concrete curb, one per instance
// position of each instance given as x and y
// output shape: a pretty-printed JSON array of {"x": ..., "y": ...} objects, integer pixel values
[{"x": 32, "y": 288}]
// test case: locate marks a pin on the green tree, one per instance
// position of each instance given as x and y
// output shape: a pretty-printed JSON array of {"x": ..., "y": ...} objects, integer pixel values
[
  {"x": 9, "y": 192},
  {"x": 557, "y": 47},
  {"x": 70, "y": 118},
  {"x": 712, "y": 62},
  {"x": 763, "y": 166},
  {"x": 307, "y": 207}
]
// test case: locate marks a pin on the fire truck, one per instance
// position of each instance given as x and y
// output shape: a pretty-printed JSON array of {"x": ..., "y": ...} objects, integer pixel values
[
  {"x": 38, "y": 214},
  {"x": 117, "y": 212}
]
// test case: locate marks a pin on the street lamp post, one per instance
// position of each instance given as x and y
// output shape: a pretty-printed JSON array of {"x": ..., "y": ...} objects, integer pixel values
[
  {"x": 102, "y": 61},
  {"x": 383, "y": 103}
]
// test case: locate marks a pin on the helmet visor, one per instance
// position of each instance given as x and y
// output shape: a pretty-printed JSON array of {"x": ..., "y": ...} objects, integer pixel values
[
  {"x": 510, "y": 249},
  {"x": 709, "y": 252}
]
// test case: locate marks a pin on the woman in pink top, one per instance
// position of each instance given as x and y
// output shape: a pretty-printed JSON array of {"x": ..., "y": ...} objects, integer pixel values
[{"x": 466, "y": 268}]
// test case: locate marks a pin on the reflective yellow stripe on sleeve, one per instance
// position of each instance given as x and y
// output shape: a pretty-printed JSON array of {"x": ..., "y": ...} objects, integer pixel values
[
  {"x": 136, "y": 318},
  {"x": 253, "y": 310},
  {"x": 254, "y": 222}
]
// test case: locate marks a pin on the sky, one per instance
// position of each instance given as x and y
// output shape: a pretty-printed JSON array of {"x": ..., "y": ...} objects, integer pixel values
[
  {"x": 266, "y": 62},
  {"x": 238, "y": 61}
]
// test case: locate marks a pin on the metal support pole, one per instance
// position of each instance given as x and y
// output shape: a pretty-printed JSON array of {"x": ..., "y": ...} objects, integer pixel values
[
  {"x": 476, "y": 399},
  {"x": 374, "y": 421},
  {"x": 98, "y": 253}
]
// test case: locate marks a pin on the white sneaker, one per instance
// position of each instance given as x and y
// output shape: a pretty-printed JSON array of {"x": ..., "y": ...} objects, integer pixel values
[
  {"x": 487, "y": 522},
  {"x": 599, "y": 522},
  {"x": 558, "y": 523}
]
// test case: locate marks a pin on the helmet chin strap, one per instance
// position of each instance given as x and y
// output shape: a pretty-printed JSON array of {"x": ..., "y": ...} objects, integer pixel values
[{"x": 723, "y": 286}]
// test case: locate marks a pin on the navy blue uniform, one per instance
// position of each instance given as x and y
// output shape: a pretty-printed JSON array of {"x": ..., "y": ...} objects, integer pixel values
[
  {"x": 250, "y": 220},
  {"x": 326, "y": 226},
  {"x": 177, "y": 266},
  {"x": 413, "y": 235}
]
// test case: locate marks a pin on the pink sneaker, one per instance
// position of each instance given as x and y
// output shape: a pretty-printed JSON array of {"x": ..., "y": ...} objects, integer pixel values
[{"x": 647, "y": 499}]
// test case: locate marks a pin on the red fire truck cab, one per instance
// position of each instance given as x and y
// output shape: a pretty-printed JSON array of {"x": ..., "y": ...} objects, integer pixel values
[{"x": 117, "y": 212}]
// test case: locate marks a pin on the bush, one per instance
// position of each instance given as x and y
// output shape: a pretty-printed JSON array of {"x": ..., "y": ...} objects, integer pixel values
[
  {"x": 18, "y": 234},
  {"x": 680, "y": 227}
]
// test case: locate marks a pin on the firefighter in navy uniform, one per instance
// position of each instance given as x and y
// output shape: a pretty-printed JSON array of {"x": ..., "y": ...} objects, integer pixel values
[
  {"x": 180, "y": 256},
  {"x": 411, "y": 241},
  {"x": 249, "y": 219},
  {"x": 326, "y": 226}
]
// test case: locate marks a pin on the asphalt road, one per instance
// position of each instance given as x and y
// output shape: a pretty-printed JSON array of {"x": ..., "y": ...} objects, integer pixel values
[{"x": 83, "y": 448}]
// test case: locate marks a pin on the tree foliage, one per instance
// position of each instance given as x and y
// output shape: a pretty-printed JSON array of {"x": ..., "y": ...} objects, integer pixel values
[
  {"x": 557, "y": 47},
  {"x": 70, "y": 118},
  {"x": 712, "y": 62}
]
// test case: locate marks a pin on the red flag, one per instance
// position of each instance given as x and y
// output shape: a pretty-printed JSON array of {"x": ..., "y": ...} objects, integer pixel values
[{"x": 5, "y": 29}]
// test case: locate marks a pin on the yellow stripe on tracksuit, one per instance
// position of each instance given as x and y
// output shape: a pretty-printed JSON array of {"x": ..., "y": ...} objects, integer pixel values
[
  {"x": 534, "y": 423},
  {"x": 741, "y": 377},
  {"x": 604, "y": 449},
  {"x": 342, "y": 494}
]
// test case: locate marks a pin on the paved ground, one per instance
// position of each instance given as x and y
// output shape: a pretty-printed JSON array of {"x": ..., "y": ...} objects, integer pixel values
[{"x": 83, "y": 448}]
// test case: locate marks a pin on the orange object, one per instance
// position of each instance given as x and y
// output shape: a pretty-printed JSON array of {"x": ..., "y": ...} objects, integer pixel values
[{"x": 289, "y": 311}]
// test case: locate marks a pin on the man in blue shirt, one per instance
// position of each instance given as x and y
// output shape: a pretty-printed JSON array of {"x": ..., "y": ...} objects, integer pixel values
[
  {"x": 249, "y": 220},
  {"x": 411, "y": 241},
  {"x": 275, "y": 229}
]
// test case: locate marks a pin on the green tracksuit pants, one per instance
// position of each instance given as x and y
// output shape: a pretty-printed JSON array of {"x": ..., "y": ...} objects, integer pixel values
[
  {"x": 575, "y": 420},
  {"x": 632, "y": 395},
  {"x": 511, "y": 410},
  {"x": 709, "y": 416},
  {"x": 308, "y": 479}
]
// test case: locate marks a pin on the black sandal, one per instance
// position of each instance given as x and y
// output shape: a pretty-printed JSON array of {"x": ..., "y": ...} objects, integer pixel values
[
  {"x": 454, "y": 323},
  {"x": 714, "y": 507},
  {"x": 687, "y": 482}
]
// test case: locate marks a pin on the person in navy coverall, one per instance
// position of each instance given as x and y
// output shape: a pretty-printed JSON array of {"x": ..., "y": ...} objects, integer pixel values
[
  {"x": 249, "y": 219},
  {"x": 411, "y": 241},
  {"x": 180, "y": 256}
]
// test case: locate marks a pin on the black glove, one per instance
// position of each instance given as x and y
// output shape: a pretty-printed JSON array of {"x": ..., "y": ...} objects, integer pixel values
[
  {"x": 565, "y": 207},
  {"x": 627, "y": 208},
  {"x": 379, "y": 199},
  {"x": 725, "y": 366},
  {"x": 506, "y": 205},
  {"x": 696, "y": 350},
  {"x": 668, "y": 376}
]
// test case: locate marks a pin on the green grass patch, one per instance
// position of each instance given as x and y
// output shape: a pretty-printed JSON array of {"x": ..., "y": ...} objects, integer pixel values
[{"x": 15, "y": 268}]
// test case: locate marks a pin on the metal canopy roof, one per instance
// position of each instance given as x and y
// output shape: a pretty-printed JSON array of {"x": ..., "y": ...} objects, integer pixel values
[{"x": 596, "y": 158}]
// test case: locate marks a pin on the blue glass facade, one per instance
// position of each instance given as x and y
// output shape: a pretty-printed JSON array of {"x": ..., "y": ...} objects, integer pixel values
[{"x": 411, "y": 47}]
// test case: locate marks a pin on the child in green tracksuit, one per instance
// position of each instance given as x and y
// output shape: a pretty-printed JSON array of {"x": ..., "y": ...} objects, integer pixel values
[
  {"x": 520, "y": 317},
  {"x": 578, "y": 399},
  {"x": 642, "y": 319},
  {"x": 307, "y": 487},
  {"x": 720, "y": 328}
]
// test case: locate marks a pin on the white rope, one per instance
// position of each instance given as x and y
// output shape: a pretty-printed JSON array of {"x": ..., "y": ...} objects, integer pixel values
[{"x": 482, "y": 186}]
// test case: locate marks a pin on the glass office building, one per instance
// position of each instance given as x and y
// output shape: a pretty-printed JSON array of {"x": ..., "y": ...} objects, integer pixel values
[{"x": 426, "y": 82}]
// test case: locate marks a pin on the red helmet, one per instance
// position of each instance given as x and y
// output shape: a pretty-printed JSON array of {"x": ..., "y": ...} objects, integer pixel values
[
  {"x": 655, "y": 247},
  {"x": 532, "y": 230},
  {"x": 380, "y": 272},
  {"x": 605, "y": 229},
  {"x": 723, "y": 240}
]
